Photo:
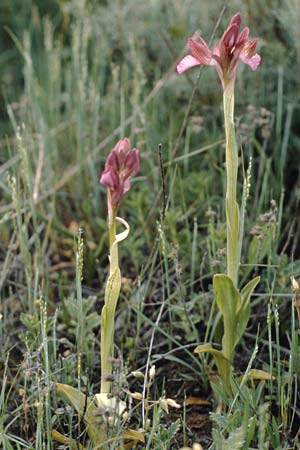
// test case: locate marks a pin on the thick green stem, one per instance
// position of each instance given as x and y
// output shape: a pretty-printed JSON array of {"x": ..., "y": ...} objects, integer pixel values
[
  {"x": 112, "y": 291},
  {"x": 112, "y": 238},
  {"x": 232, "y": 211}
]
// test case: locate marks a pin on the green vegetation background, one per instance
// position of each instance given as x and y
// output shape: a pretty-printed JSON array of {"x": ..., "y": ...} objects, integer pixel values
[{"x": 78, "y": 75}]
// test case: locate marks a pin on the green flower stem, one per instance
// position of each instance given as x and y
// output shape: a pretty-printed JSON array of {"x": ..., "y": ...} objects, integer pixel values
[
  {"x": 112, "y": 291},
  {"x": 112, "y": 238},
  {"x": 232, "y": 210}
]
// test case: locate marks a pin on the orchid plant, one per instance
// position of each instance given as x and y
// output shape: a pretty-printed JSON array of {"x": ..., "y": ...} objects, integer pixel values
[
  {"x": 121, "y": 165},
  {"x": 234, "y": 304}
]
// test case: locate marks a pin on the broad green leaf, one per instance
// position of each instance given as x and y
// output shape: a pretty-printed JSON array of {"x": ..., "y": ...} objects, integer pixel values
[
  {"x": 77, "y": 399},
  {"x": 72, "y": 443},
  {"x": 112, "y": 292},
  {"x": 248, "y": 289},
  {"x": 229, "y": 302},
  {"x": 222, "y": 363},
  {"x": 256, "y": 374},
  {"x": 85, "y": 408},
  {"x": 244, "y": 311},
  {"x": 131, "y": 438},
  {"x": 95, "y": 431},
  {"x": 208, "y": 348}
]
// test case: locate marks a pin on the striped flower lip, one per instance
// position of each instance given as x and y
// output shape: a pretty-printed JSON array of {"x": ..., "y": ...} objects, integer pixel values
[{"x": 232, "y": 47}]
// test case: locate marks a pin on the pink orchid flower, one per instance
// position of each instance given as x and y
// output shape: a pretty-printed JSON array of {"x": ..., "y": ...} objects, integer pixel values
[
  {"x": 122, "y": 163},
  {"x": 233, "y": 45}
]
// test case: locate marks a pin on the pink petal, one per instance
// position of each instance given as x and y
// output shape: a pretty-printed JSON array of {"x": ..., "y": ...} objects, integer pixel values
[
  {"x": 253, "y": 61},
  {"x": 112, "y": 161},
  {"x": 243, "y": 36},
  {"x": 236, "y": 19},
  {"x": 200, "y": 52},
  {"x": 216, "y": 50},
  {"x": 132, "y": 163},
  {"x": 126, "y": 186},
  {"x": 199, "y": 38},
  {"x": 229, "y": 37},
  {"x": 186, "y": 63},
  {"x": 123, "y": 146},
  {"x": 110, "y": 179},
  {"x": 116, "y": 196}
]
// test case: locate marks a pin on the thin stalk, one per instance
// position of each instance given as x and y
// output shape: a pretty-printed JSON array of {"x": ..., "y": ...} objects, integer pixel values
[
  {"x": 108, "y": 311},
  {"x": 232, "y": 211},
  {"x": 80, "y": 324},
  {"x": 112, "y": 238}
]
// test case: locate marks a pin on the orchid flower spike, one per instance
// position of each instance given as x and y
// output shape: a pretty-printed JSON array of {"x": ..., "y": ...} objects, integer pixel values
[
  {"x": 122, "y": 163},
  {"x": 233, "y": 45}
]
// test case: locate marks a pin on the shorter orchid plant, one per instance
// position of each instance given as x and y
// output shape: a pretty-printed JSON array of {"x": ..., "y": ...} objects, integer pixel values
[
  {"x": 234, "y": 304},
  {"x": 121, "y": 165}
]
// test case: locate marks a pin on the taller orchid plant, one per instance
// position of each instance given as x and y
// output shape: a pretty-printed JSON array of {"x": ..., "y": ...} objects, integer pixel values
[{"x": 233, "y": 304}]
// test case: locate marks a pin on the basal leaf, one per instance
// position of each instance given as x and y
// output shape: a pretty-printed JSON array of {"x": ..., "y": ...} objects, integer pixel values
[
  {"x": 229, "y": 302},
  {"x": 248, "y": 289},
  {"x": 131, "y": 438},
  {"x": 222, "y": 363},
  {"x": 85, "y": 408},
  {"x": 256, "y": 374},
  {"x": 75, "y": 398},
  {"x": 72, "y": 443},
  {"x": 112, "y": 290},
  {"x": 244, "y": 311}
]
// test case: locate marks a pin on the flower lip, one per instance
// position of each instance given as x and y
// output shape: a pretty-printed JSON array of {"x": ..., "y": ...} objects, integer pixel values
[{"x": 109, "y": 179}]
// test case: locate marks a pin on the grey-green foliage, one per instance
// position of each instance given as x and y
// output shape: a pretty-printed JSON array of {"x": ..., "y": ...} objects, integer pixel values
[
  {"x": 243, "y": 419},
  {"x": 234, "y": 441},
  {"x": 164, "y": 436},
  {"x": 90, "y": 318}
]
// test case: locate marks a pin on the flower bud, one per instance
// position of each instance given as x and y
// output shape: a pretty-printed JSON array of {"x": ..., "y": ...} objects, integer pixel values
[
  {"x": 138, "y": 374},
  {"x": 295, "y": 285},
  {"x": 121, "y": 164},
  {"x": 172, "y": 403},
  {"x": 152, "y": 372},
  {"x": 136, "y": 395}
]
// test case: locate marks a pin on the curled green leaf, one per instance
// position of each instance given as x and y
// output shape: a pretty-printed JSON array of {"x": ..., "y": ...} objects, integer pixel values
[
  {"x": 244, "y": 311},
  {"x": 85, "y": 407},
  {"x": 222, "y": 363},
  {"x": 229, "y": 302}
]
